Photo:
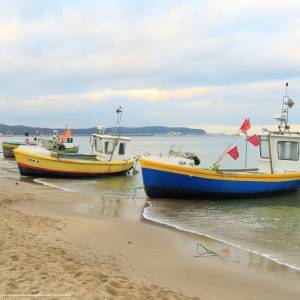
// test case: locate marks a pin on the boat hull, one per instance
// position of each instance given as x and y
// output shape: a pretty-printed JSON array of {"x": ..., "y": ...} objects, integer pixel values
[
  {"x": 170, "y": 181},
  {"x": 8, "y": 148},
  {"x": 42, "y": 165}
]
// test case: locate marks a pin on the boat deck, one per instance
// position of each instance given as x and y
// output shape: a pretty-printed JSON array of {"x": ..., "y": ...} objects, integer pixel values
[{"x": 76, "y": 156}]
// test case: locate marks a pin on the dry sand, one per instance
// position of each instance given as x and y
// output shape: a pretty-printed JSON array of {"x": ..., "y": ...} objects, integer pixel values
[{"x": 48, "y": 249}]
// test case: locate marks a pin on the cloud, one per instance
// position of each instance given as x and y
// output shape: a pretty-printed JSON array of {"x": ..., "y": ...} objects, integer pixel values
[
  {"x": 232, "y": 129},
  {"x": 228, "y": 105},
  {"x": 212, "y": 60},
  {"x": 155, "y": 95},
  {"x": 3, "y": 104},
  {"x": 185, "y": 45}
]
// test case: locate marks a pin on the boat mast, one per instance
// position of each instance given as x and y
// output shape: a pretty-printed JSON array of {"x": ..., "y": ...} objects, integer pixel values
[
  {"x": 115, "y": 131},
  {"x": 246, "y": 150},
  {"x": 283, "y": 118},
  {"x": 119, "y": 112}
]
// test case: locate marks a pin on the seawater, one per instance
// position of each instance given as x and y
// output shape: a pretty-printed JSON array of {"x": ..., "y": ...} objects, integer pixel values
[{"x": 268, "y": 227}]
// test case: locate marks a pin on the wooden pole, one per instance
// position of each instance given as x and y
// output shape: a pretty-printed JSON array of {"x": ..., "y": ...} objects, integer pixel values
[
  {"x": 246, "y": 151},
  {"x": 216, "y": 163},
  {"x": 270, "y": 154}
]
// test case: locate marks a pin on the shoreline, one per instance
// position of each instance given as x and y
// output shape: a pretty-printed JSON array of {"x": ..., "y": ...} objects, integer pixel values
[
  {"x": 272, "y": 261},
  {"x": 39, "y": 260},
  {"x": 148, "y": 254},
  {"x": 271, "y": 264}
]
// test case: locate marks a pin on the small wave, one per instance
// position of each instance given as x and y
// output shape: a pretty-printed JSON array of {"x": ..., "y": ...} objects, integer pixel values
[
  {"x": 267, "y": 256},
  {"x": 41, "y": 181}
]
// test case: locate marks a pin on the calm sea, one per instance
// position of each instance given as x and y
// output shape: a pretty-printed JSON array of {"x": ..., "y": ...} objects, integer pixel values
[{"x": 266, "y": 227}]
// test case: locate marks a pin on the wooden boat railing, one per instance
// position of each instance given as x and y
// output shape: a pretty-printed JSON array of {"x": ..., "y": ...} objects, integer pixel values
[
  {"x": 74, "y": 156},
  {"x": 249, "y": 170}
]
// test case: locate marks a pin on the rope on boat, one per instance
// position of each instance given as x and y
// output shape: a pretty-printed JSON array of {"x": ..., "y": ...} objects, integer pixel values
[
  {"x": 207, "y": 252},
  {"x": 197, "y": 253},
  {"x": 134, "y": 167},
  {"x": 136, "y": 162},
  {"x": 134, "y": 191}
]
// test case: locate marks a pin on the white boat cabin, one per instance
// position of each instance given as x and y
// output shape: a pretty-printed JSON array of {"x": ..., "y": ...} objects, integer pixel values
[
  {"x": 69, "y": 143},
  {"x": 176, "y": 157},
  {"x": 279, "y": 150},
  {"x": 279, "y": 153},
  {"x": 110, "y": 147}
]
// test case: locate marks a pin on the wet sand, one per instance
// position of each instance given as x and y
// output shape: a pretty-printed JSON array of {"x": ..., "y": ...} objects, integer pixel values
[{"x": 49, "y": 249}]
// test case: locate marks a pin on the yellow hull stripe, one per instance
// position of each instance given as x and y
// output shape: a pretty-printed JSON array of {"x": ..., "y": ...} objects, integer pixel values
[
  {"x": 209, "y": 174},
  {"x": 42, "y": 161},
  {"x": 10, "y": 145}
]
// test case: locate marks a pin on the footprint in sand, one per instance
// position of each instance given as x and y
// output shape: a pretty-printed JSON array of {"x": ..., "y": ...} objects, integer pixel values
[
  {"x": 34, "y": 291},
  {"x": 11, "y": 285},
  {"x": 78, "y": 274},
  {"x": 15, "y": 257},
  {"x": 103, "y": 278},
  {"x": 115, "y": 283},
  {"x": 111, "y": 290}
]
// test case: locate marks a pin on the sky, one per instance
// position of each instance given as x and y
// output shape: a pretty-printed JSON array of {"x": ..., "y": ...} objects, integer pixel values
[{"x": 202, "y": 64}]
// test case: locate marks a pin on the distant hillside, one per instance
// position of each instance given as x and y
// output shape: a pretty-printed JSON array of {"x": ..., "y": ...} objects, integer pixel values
[
  {"x": 158, "y": 130},
  {"x": 147, "y": 130}
]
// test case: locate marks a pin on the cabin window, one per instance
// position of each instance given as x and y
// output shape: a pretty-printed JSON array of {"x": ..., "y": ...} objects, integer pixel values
[
  {"x": 122, "y": 148},
  {"x": 109, "y": 147},
  {"x": 288, "y": 150},
  {"x": 264, "y": 147},
  {"x": 99, "y": 145}
]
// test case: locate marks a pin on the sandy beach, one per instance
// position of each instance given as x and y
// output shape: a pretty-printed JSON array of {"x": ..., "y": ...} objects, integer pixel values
[{"x": 51, "y": 251}]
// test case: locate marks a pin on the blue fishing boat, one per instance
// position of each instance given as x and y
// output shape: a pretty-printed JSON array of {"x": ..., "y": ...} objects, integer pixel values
[
  {"x": 179, "y": 174},
  {"x": 168, "y": 180}
]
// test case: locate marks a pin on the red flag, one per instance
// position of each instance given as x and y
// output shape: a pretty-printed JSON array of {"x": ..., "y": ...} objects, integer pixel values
[
  {"x": 245, "y": 126},
  {"x": 234, "y": 153},
  {"x": 67, "y": 133},
  {"x": 254, "y": 140}
]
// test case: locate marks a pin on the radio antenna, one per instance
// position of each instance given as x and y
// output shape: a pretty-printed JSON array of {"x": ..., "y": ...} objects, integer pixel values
[{"x": 119, "y": 112}]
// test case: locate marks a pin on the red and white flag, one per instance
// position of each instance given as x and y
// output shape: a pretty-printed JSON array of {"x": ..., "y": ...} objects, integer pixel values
[
  {"x": 234, "y": 153},
  {"x": 254, "y": 140},
  {"x": 245, "y": 126}
]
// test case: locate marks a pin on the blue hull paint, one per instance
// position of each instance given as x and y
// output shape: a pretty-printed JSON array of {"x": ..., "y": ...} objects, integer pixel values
[{"x": 167, "y": 184}]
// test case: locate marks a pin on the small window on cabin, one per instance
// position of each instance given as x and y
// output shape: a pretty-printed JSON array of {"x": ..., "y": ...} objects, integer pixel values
[
  {"x": 288, "y": 150},
  {"x": 109, "y": 147},
  {"x": 264, "y": 147},
  {"x": 99, "y": 145},
  {"x": 122, "y": 148}
]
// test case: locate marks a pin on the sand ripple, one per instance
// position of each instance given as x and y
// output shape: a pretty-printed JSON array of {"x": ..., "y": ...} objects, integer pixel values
[{"x": 36, "y": 260}]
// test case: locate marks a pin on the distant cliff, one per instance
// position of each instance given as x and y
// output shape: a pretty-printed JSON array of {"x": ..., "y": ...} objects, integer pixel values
[{"x": 147, "y": 130}]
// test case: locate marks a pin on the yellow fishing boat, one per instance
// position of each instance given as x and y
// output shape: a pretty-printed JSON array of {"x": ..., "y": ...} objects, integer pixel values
[
  {"x": 35, "y": 161},
  {"x": 62, "y": 143},
  {"x": 111, "y": 155},
  {"x": 9, "y": 146}
]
